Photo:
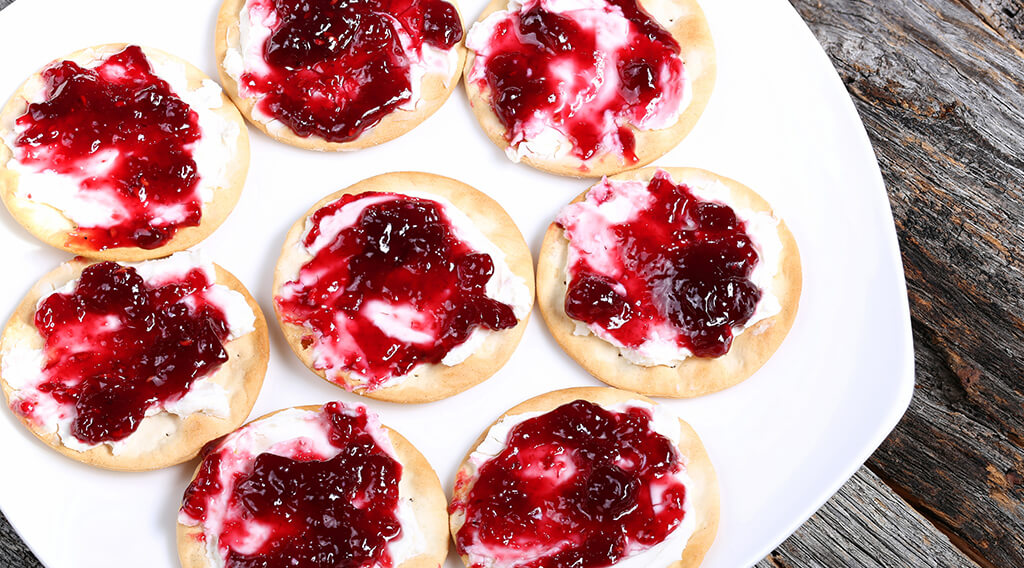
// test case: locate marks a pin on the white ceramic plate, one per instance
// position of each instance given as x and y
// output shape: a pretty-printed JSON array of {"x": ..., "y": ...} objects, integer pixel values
[{"x": 784, "y": 441}]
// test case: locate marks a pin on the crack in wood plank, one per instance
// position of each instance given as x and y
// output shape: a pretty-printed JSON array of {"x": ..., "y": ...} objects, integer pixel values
[
  {"x": 1005, "y": 19},
  {"x": 938, "y": 523},
  {"x": 953, "y": 468}
]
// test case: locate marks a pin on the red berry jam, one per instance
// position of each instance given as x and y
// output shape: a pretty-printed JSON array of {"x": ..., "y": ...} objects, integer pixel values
[
  {"x": 680, "y": 261},
  {"x": 127, "y": 138},
  {"x": 116, "y": 346},
  {"x": 311, "y": 510},
  {"x": 588, "y": 73},
  {"x": 334, "y": 69},
  {"x": 580, "y": 486},
  {"x": 400, "y": 258},
  {"x": 204, "y": 487}
]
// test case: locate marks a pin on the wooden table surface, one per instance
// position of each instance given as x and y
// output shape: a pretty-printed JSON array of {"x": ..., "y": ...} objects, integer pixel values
[{"x": 940, "y": 87}]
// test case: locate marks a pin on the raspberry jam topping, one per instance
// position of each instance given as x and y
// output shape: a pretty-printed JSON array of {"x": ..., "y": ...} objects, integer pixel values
[
  {"x": 116, "y": 347},
  {"x": 299, "y": 507},
  {"x": 334, "y": 69},
  {"x": 588, "y": 72},
  {"x": 579, "y": 486},
  {"x": 677, "y": 267},
  {"x": 394, "y": 289},
  {"x": 126, "y": 137}
]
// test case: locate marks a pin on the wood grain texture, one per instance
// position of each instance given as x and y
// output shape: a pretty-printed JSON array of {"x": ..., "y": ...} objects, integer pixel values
[
  {"x": 866, "y": 525},
  {"x": 953, "y": 466},
  {"x": 1004, "y": 17}
]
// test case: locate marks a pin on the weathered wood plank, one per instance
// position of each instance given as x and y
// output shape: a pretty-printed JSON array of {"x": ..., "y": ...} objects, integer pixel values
[
  {"x": 963, "y": 475},
  {"x": 866, "y": 525},
  {"x": 941, "y": 93},
  {"x": 1004, "y": 16}
]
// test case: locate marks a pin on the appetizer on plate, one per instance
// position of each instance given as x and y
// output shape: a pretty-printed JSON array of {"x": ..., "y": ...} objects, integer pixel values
[
  {"x": 669, "y": 282},
  {"x": 589, "y": 87},
  {"x": 328, "y": 75},
  {"x": 585, "y": 477},
  {"x": 134, "y": 366},
  {"x": 406, "y": 287},
  {"x": 121, "y": 152},
  {"x": 314, "y": 486}
]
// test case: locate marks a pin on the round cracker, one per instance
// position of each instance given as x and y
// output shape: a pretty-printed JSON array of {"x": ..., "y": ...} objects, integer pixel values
[
  {"x": 163, "y": 439},
  {"x": 703, "y": 492},
  {"x": 49, "y": 224},
  {"x": 695, "y": 376},
  {"x": 685, "y": 20},
  {"x": 434, "y": 91},
  {"x": 429, "y": 505},
  {"x": 427, "y": 382}
]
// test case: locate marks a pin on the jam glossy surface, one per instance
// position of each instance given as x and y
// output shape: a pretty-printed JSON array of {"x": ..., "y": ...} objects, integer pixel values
[
  {"x": 400, "y": 261},
  {"x": 312, "y": 511},
  {"x": 123, "y": 133},
  {"x": 116, "y": 347},
  {"x": 680, "y": 260},
  {"x": 588, "y": 83},
  {"x": 574, "y": 487},
  {"x": 334, "y": 69}
]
